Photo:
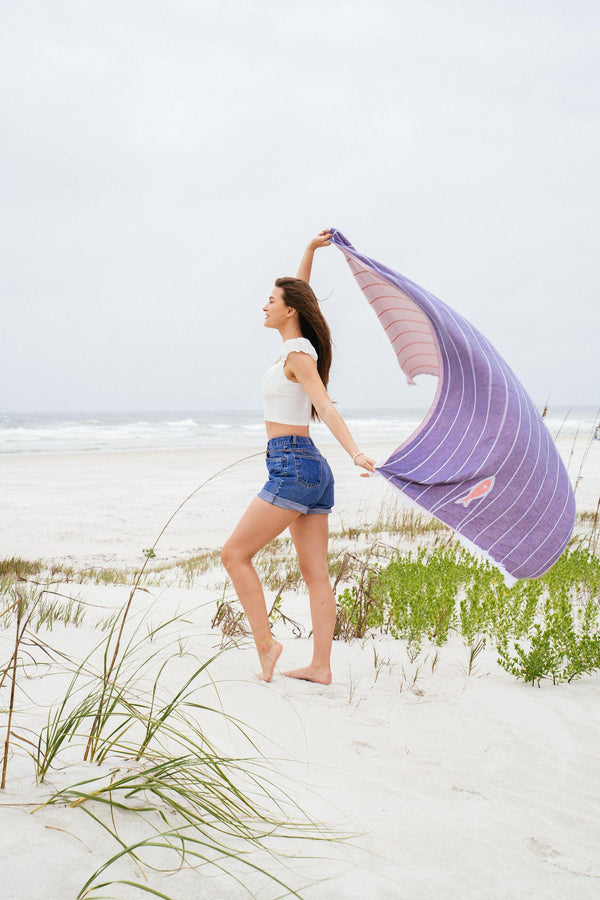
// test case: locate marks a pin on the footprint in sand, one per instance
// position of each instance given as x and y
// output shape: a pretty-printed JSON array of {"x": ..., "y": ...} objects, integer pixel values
[
  {"x": 464, "y": 790},
  {"x": 545, "y": 851},
  {"x": 362, "y": 747},
  {"x": 555, "y": 858}
]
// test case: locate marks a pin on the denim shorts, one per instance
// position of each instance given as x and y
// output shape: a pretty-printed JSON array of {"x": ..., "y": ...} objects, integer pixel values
[{"x": 299, "y": 477}]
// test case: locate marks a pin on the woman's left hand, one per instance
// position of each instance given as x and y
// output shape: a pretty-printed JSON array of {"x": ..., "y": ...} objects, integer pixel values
[{"x": 323, "y": 239}]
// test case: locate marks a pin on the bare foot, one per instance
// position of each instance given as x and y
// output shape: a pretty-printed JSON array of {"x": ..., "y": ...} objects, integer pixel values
[
  {"x": 312, "y": 673},
  {"x": 268, "y": 661}
]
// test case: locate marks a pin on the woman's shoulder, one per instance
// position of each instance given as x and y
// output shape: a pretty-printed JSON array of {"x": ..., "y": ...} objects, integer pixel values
[{"x": 298, "y": 345}]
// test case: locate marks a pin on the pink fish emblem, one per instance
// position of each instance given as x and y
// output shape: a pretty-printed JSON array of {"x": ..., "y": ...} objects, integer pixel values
[{"x": 480, "y": 490}]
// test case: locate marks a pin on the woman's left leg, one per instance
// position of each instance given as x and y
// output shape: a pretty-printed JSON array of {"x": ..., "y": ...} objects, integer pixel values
[
  {"x": 258, "y": 526},
  {"x": 310, "y": 534}
]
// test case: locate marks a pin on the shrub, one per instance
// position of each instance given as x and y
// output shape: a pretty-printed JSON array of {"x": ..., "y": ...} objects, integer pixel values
[{"x": 548, "y": 628}]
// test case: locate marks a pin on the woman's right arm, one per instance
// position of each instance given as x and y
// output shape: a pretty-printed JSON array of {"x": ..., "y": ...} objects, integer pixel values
[
  {"x": 304, "y": 369},
  {"x": 323, "y": 239}
]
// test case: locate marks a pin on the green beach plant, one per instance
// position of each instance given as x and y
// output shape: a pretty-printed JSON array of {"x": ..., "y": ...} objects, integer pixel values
[
  {"x": 542, "y": 628},
  {"x": 162, "y": 777},
  {"x": 204, "y": 812},
  {"x": 563, "y": 643},
  {"x": 22, "y": 600},
  {"x": 115, "y": 635},
  {"x": 132, "y": 715},
  {"x": 417, "y": 595}
]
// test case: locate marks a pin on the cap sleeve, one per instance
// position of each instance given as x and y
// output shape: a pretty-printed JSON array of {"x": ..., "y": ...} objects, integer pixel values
[{"x": 298, "y": 345}]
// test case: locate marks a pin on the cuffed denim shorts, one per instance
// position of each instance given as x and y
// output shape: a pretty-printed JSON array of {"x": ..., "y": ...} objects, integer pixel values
[{"x": 299, "y": 477}]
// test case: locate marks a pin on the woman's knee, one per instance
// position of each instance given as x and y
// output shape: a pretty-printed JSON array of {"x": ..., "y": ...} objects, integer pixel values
[
  {"x": 315, "y": 577},
  {"x": 227, "y": 556},
  {"x": 233, "y": 556}
]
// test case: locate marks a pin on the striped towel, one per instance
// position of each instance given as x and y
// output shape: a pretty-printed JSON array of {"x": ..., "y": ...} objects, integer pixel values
[{"x": 482, "y": 460}]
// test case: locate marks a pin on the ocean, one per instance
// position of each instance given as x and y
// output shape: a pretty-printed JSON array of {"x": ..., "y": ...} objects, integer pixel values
[{"x": 85, "y": 432}]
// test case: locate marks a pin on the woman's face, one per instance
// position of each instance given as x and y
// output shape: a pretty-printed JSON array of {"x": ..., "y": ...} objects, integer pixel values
[{"x": 275, "y": 309}]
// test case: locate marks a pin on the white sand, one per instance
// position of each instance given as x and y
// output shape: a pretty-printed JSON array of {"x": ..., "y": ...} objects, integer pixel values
[
  {"x": 456, "y": 786},
  {"x": 106, "y": 507}
]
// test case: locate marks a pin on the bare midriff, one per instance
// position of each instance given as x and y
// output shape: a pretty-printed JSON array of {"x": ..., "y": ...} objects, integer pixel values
[{"x": 278, "y": 429}]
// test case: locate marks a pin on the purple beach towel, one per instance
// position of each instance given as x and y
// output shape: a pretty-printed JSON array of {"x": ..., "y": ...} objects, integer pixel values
[{"x": 482, "y": 460}]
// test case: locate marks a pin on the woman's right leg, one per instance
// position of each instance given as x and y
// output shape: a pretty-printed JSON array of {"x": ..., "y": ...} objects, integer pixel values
[
  {"x": 259, "y": 525},
  {"x": 310, "y": 534}
]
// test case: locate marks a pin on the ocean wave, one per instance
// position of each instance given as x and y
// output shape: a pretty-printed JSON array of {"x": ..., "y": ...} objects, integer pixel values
[{"x": 47, "y": 433}]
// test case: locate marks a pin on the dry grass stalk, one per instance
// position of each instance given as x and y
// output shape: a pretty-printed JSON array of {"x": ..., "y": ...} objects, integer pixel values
[
  {"x": 595, "y": 531},
  {"x": 352, "y": 623},
  {"x": 229, "y": 620},
  {"x": 473, "y": 651},
  {"x": 277, "y": 613},
  {"x": 586, "y": 451},
  {"x": 149, "y": 554},
  {"x": 562, "y": 424},
  {"x": 11, "y": 703},
  {"x": 573, "y": 445}
]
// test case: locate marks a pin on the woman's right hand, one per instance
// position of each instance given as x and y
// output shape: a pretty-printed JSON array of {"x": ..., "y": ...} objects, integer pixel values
[{"x": 365, "y": 462}]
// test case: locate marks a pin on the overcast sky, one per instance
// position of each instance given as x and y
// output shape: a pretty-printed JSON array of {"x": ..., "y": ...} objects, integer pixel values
[{"x": 163, "y": 162}]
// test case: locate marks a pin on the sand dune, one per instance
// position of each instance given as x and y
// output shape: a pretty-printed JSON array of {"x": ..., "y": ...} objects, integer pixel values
[{"x": 452, "y": 785}]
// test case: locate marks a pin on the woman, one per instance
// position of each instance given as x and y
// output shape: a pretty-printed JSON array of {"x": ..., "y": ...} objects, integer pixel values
[{"x": 299, "y": 492}]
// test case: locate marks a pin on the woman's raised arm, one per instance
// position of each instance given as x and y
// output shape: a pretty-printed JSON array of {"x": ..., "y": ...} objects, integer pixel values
[{"x": 323, "y": 239}]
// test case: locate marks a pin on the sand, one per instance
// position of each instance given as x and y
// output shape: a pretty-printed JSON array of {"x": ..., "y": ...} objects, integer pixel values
[
  {"x": 453, "y": 785},
  {"x": 95, "y": 508}
]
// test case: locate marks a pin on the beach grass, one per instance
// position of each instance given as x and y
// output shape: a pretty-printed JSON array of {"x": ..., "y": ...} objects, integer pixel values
[
  {"x": 277, "y": 561},
  {"x": 155, "y": 780}
]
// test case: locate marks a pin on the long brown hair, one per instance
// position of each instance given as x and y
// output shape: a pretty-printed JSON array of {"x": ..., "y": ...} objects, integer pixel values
[{"x": 313, "y": 325}]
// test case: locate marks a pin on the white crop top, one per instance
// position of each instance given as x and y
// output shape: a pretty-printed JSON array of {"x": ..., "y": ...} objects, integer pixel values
[{"x": 286, "y": 401}]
